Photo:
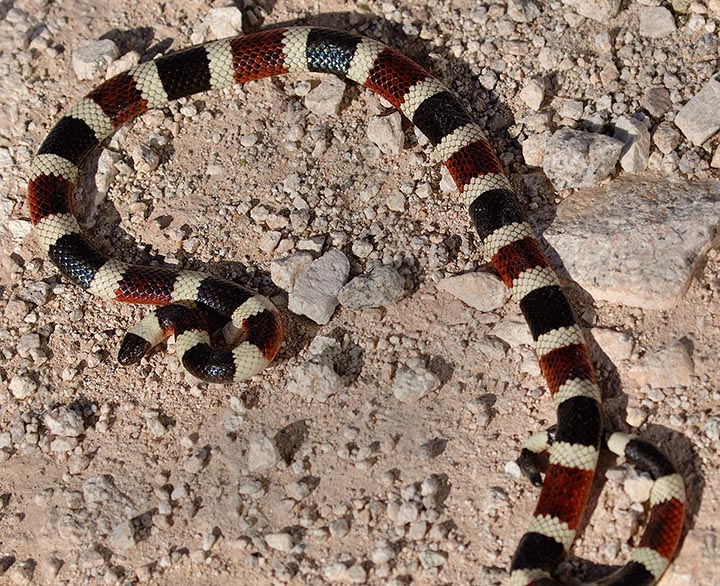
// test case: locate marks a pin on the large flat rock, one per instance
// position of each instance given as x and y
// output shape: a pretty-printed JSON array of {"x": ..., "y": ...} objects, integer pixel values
[{"x": 637, "y": 240}]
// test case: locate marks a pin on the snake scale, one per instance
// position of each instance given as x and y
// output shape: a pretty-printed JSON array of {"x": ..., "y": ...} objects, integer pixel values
[{"x": 182, "y": 295}]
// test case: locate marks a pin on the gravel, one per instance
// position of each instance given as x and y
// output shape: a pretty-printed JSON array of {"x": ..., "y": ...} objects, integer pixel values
[{"x": 141, "y": 474}]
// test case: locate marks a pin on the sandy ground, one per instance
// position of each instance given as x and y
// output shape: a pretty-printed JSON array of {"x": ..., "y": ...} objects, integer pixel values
[{"x": 159, "y": 486}]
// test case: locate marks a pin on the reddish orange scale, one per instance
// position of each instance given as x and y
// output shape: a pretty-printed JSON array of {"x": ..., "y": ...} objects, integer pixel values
[
  {"x": 47, "y": 195},
  {"x": 563, "y": 364},
  {"x": 664, "y": 527},
  {"x": 571, "y": 487},
  {"x": 258, "y": 55},
  {"x": 119, "y": 98},
  {"x": 512, "y": 260},
  {"x": 146, "y": 285},
  {"x": 392, "y": 75},
  {"x": 473, "y": 160}
]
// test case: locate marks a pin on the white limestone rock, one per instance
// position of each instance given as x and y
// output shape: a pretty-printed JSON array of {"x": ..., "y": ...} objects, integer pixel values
[
  {"x": 316, "y": 289},
  {"x": 580, "y": 159},
  {"x": 91, "y": 58},
  {"x": 638, "y": 240},
  {"x": 482, "y": 290}
]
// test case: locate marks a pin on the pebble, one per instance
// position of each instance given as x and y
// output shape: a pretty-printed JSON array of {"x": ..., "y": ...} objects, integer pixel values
[
  {"x": 580, "y": 159},
  {"x": 657, "y": 101},
  {"x": 196, "y": 462},
  {"x": 533, "y": 148},
  {"x": 91, "y": 58},
  {"x": 571, "y": 109},
  {"x": 22, "y": 386},
  {"x": 362, "y": 248},
  {"x": 225, "y": 21},
  {"x": 285, "y": 271},
  {"x": 269, "y": 241},
  {"x": 396, "y": 202},
  {"x": 262, "y": 453},
  {"x": 279, "y": 541},
  {"x": 6, "y": 442},
  {"x": 36, "y": 292},
  {"x": 339, "y": 528},
  {"x": 209, "y": 539},
  {"x": 407, "y": 513},
  {"x": 382, "y": 555},
  {"x": 671, "y": 366},
  {"x": 356, "y": 574},
  {"x": 637, "y": 486},
  {"x": 656, "y": 22},
  {"x": 636, "y": 138},
  {"x": 533, "y": 93},
  {"x": 666, "y": 137},
  {"x": 432, "y": 559},
  {"x": 250, "y": 487},
  {"x": 21, "y": 573},
  {"x": 386, "y": 132},
  {"x": 6, "y": 159},
  {"x": 618, "y": 346},
  {"x": 18, "y": 229},
  {"x": 315, "y": 379},
  {"x": 599, "y": 10},
  {"x": 380, "y": 287},
  {"x": 123, "y": 536},
  {"x": 62, "y": 421},
  {"x": 481, "y": 290},
  {"x": 130, "y": 59},
  {"x": 145, "y": 159},
  {"x": 50, "y": 568},
  {"x": 411, "y": 384},
  {"x": 512, "y": 470},
  {"x": 325, "y": 99},
  {"x": 513, "y": 331},
  {"x": 62, "y": 445},
  {"x": 699, "y": 119},
  {"x": 27, "y": 343},
  {"x": 316, "y": 289}
]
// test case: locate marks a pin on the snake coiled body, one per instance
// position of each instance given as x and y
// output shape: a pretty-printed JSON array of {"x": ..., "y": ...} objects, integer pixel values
[{"x": 482, "y": 182}]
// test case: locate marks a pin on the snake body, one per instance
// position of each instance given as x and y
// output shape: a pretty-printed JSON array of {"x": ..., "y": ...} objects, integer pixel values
[{"x": 484, "y": 188}]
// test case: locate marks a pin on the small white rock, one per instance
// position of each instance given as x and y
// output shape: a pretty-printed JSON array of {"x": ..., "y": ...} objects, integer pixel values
[
  {"x": 671, "y": 366},
  {"x": 325, "y": 99},
  {"x": 533, "y": 93},
  {"x": 92, "y": 57},
  {"x": 386, "y": 132},
  {"x": 22, "y": 387},
  {"x": 656, "y": 22},
  {"x": 380, "y": 287},
  {"x": 123, "y": 536},
  {"x": 411, "y": 384},
  {"x": 224, "y": 22},
  {"x": 316, "y": 289},
  {"x": 285, "y": 271},
  {"x": 481, "y": 290},
  {"x": 262, "y": 453},
  {"x": 636, "y": 138},
  {"x": 279, "y": 541}
]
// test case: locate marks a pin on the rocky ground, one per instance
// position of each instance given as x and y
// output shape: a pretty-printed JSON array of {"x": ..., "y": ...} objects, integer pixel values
[{"x": 380, "y": 448}]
